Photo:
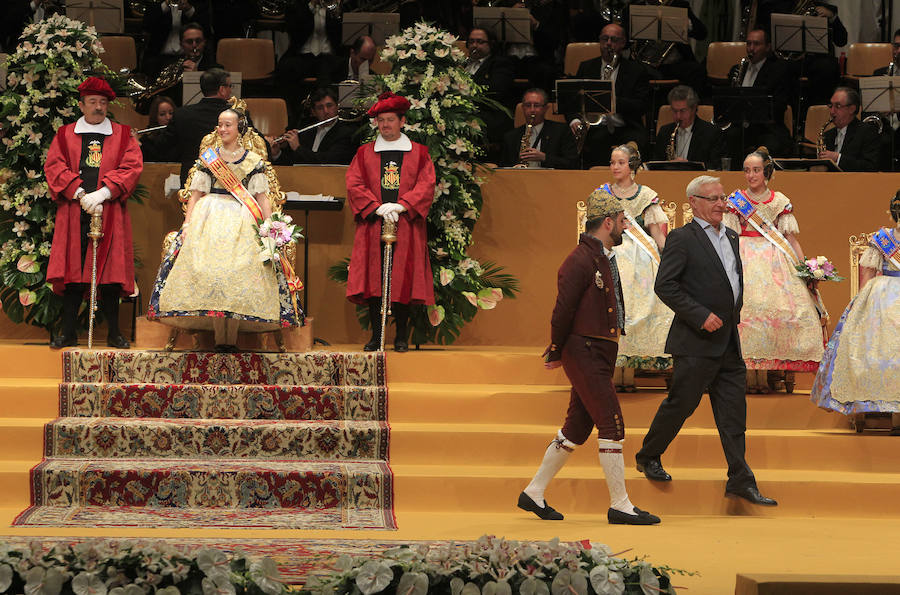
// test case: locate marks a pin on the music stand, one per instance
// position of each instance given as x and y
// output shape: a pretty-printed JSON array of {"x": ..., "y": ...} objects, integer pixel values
[
  {"x": 881, "y": 94},
  {"x": 377, "y": 25},
  {"x": 799, "y": 34},
  {"x": 585, "y": 96},
  {"x": 106, "y": 16},
  {"x": 190, "y": 86},
  {"x": 675, "y": 166},
  {"x": 348, "y": 94},
  {"x": 742, "y": 106},
  {"x": 806, "y": 165},
  {"x": 509, "y": 25},
  {"x": 659, "y": 23}
]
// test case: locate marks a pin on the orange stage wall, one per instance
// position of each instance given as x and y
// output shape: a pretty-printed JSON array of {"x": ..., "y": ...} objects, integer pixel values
[{"x": 528, "y": 226}]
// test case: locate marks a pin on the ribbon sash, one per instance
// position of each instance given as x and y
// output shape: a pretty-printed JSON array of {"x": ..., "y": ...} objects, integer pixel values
[
  {"x": 230, "y": 182},
  {"x": 887, "y": 244},
  {"x": 637, "y": 233},
  {"x": 761, "y": 224}
]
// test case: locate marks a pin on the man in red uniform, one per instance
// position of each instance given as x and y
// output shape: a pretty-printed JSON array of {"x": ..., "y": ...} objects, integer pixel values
[
  {"x": 92, "y": 167},
  {"x": 390, "y": 179},
  {"x": 587, "y": 320}
]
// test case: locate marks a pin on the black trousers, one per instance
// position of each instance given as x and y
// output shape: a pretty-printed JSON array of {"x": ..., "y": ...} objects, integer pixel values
[{"x": 726, "y": 379}]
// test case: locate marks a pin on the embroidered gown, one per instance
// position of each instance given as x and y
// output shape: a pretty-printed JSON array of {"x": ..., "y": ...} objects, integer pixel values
[
  {"x": 780, "y": 327},
  {"x": 647, "y": 319},
  {"x": 217, "y": 272},
  {"x": 860, "y": 367}
]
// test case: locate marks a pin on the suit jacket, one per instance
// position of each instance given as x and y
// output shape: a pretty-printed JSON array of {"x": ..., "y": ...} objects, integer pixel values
[
  {"x": 860, "y": 151},
  {"x": 775, "y": 78},
  {"x": 692, "y": 282},
  {"x": 337, "y": 146},
  {"x": 632, "y": 87},
  {"x": 158, "y": 24},
  {"x": 585, "y": 303},
  {"x": 556, "y": 141},
  {"x": 707, "y": 143},
  {"x": 497, "y": 74}
]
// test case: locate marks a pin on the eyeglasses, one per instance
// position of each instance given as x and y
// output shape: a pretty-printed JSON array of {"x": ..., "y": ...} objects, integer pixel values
[
  {"x": 713, "y": 199},
  {"x": 612, "y": 38}
]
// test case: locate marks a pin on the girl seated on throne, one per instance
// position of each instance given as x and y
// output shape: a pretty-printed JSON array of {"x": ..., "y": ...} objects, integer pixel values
[{"x": 213, "y": 277}]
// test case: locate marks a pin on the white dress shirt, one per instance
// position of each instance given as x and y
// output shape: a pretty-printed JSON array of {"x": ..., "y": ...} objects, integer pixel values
[
  {"x": 752, "y": 72},
  {"x": 683, "y": 141},
  {"x": 317, "y": 43},
  {"x": 722, "y": 245}
]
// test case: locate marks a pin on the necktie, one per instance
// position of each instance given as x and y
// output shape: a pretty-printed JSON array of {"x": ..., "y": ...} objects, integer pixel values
[{"x": 620, "y": 308}]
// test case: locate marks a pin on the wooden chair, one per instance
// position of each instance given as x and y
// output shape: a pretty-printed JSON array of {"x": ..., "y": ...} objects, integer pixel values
[
  {"x": 704, "y": 112},
  {"x": 119, "y": 52},
  {"x": 269, "y": 115},
  {"x": 122, "y": 110},
  {"x": 379, "y": 66},
  {"x": 864, "y": 58},
  {"x": 254, "y": 58},
  {"x": 519, "y": 119},
  {"x": 576, "y": 53},
  {"x": 816, "y": 116},
  {"x": 721, "y": 56}
]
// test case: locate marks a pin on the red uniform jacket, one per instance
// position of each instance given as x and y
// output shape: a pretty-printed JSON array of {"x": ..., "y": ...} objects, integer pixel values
[
  {"x": 120, "y": 169},
  {"x": 585, "y": 304},
  {"x": 411, "y": 278}
]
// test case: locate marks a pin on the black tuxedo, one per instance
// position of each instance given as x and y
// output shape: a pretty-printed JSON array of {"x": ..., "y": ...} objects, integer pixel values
[
  {"x": 337, "y": 146},
  {"x": 157, "y": 25},
  {"x": 556, "y": 141},
  {"x": 861, "y": 148},
  {"x": 693, "y": 283},
  {"x": 775, "y": 78},
  {"x": 497, "y": 74},
  {"x": 707, "y": 143}
]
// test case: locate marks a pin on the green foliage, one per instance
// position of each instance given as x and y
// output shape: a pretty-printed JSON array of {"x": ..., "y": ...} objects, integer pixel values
[{"x": 428, "y": 70}]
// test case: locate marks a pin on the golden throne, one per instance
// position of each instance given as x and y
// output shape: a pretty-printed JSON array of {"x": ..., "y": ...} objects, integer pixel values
[{"x": 250, "y": 140}]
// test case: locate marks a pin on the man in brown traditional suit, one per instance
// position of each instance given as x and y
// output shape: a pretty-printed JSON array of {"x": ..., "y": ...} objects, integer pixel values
[{"x": 588, "y": 318}]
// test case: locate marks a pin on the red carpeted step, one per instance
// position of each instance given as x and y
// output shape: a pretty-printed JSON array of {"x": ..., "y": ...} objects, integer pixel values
[
  {"x": 166, "y": 492},
  {"x": 223, "y": 401},
  {"x": 215, "y": 438}
]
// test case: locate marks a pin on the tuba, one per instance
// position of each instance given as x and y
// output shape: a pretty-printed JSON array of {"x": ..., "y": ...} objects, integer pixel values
[{"x": 670, "y": 148}]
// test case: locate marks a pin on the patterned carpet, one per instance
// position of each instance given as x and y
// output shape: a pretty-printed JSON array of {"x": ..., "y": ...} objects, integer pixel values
[{"x": 149, "y": 439}]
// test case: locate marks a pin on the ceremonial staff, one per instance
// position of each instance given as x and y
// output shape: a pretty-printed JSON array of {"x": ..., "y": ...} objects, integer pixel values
[
  {"x": 388, "y": 236},
  {"x": 95, "y": 233}
]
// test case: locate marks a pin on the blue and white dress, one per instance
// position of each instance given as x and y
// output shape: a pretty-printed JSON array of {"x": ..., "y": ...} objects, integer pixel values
[{"x": 859, "y": 370}]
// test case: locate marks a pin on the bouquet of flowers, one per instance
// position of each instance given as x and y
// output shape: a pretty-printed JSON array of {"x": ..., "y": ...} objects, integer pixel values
[
  {"x": 275, "y": 232},
  {"x": 817, "y": 269}
]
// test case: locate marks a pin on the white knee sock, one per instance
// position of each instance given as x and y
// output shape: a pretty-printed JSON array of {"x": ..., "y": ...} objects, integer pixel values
[
  {"x": 554, "y": 458},
  {"x": 614, "y": 468}
]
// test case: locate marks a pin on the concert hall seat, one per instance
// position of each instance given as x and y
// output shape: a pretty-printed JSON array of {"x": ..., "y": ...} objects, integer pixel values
[
  {"x": 120, "y": 52},
  {"x": 379, "y": 66},
  {"x": 254, "y": 58},
  {"x": 720, "y": 57},
  {"x": 269, "y": 115},
  {"x": 576, "y": 53},
  {"x": 864, "y": 58},
  {"x": 704, "y": 112},
  {"x": 126, "y": 114},
  {"x": 519, "y": 119}
]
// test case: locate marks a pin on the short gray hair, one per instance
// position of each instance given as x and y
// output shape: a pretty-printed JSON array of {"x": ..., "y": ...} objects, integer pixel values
[
  {"x": 699, "y": 182},
  {"x": 684, "y": 93}
]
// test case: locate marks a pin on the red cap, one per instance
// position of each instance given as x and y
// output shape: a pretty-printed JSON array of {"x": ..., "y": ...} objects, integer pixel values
[
  {"x": 96, "y": 86},
  {"x": 389, "y": 102}
]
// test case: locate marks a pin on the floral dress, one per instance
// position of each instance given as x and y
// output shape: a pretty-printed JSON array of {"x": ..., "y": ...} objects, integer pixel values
[
  {"x": 860, "y": 367},
  {"x": 217, "y": 272},
  {"x": 647, "y": 319},
  {"x": 780, "y": 328}
]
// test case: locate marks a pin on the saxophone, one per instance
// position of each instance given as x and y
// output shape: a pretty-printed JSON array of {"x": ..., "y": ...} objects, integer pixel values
[
  {"x": 892, "y": 67},
  {"x": 670, "y": 148},
  {"x": 606, "y": 75},
  {"x": 526, "y": 140},
  {"x": 820, "y": 140},
  {"x": 738, "y": 77}
]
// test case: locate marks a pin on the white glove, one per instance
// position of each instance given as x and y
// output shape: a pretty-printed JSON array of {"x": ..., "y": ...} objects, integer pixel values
[
  {"x": 91, "y": 200},
  {"x": 390, "y": 211},
  {"x": 97, "y": 210}
]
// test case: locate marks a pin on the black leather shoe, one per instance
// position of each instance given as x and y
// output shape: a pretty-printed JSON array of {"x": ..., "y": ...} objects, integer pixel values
[
  {"x": 118, "y": 341},
  {"x": 401, "y": 346},
  {"x": 653, "y": 469},
  {"x": 60, "y": 341},
  {"x": 546, "y": 513},
  {"x": 751, "y": 494},
  {"x": 617, "y": 517},
  {"x": 373, "y": 344}
]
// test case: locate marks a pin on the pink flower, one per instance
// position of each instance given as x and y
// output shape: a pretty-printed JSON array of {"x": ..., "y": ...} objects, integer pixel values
[
  {"x": 27, "y": 297},
  {"x": 471, "y": 297},
  {"x": 435, "y": 315},
  {"x": 27, "y": 264}
]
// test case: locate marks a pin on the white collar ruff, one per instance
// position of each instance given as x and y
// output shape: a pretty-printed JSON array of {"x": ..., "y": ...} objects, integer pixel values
[
  {"x": 104, "y": 127},
  {"x": 401, "y": 144}
]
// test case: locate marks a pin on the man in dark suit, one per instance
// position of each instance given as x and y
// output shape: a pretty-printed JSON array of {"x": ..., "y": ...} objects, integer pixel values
[
  {"x": 587, "y": 320},
  {"x": 494, "y": 73},
  {"x": 853, "y": 145},
  {"x": 696, "y": 139},
  {"x": 700, "y": 278},
  {"x": 163, "y": 27},
  {"x": 767, "y": 72},
  {"x": 551, "y": 144},
  {"x": 895, "y": 52},
  {"x": 632, "y": 88},
  {"x": 331, "y": 143}
]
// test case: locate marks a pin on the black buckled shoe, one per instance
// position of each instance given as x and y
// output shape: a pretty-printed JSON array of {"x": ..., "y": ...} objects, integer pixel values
[
  {"x": 373, "y": 344},
  {"x": 653, "y": 469},
  {"x": 118, "y": 341},
  {"x": 617, "y": 517},
  {"x": 401, "y": 346},
  {"x": 751, "y": 494},
  {"x": 63, "y": 340},
  {"x": 545, "y": 513}
]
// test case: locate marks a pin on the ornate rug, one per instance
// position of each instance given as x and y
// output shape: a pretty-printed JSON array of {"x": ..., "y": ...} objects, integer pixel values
[{"x": 183, "y": 439}]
